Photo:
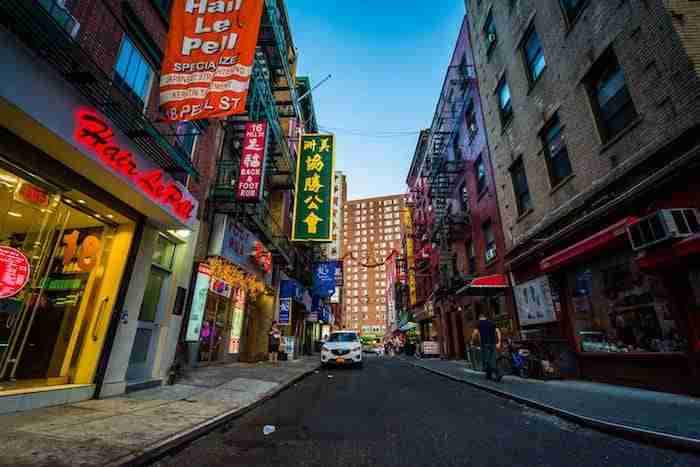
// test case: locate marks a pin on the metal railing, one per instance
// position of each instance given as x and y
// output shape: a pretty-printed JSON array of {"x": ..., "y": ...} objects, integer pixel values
[{"x": 82, "y": 45}]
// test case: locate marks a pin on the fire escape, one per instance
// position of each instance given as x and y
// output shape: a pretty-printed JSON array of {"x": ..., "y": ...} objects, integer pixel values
[
  {"x": 443, "y": 172},
  {"x": 70, "y": 41}
]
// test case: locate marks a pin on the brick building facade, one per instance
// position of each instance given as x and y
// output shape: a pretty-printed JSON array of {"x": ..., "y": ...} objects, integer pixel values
[
  {"x": 372, "y": 231},
  {"x": 592, "y": 117}
]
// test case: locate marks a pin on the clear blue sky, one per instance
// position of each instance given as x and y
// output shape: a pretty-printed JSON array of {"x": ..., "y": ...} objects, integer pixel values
[{"x": 388, "y": 59}]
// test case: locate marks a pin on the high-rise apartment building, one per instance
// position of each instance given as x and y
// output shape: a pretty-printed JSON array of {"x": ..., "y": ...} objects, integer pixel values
[{"x": 371, "y": 232}]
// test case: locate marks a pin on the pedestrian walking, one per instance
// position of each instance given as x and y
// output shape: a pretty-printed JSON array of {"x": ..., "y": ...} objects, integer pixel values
[
  {"x": 274, "y": 337},
  {"x": 490, "y": 340}
]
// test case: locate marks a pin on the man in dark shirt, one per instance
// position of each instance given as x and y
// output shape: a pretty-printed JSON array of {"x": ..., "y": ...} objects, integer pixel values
[{"x": 490, "y": 339}]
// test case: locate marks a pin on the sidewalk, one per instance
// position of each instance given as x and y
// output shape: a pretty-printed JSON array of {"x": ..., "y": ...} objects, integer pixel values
[
  {"x": 126, "y": 428},
  {"x": 668, "y": 419}
]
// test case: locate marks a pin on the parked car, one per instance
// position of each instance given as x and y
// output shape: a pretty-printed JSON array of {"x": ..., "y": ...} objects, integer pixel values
[{"x": 342, "y": 348}]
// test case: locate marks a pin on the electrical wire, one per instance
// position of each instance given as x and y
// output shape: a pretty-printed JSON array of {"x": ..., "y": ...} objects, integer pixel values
[{"x": 370, "y": 134}]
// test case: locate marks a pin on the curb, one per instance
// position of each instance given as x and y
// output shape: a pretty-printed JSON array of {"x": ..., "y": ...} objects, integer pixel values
[
  {"x": 163, "y": 447},
  {"x": 656, "y": 438}
]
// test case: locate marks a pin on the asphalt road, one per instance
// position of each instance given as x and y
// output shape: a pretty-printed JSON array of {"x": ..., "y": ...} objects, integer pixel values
[{"x": 392, "y": 414}]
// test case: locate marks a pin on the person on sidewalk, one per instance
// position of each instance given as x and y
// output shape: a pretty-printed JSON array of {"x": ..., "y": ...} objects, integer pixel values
[
  {"x": 490, "y": 340},
  {"x": 274, "y": 336}
]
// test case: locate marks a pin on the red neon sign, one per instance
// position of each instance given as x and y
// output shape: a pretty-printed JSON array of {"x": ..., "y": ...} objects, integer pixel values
[
  {"x": 95, "y": 133},
  {"x": 252, "y": 162},
  {"x": 14, "y": 271}
]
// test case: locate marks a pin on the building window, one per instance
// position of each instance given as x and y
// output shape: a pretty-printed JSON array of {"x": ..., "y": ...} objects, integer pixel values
[
  {"x": 505, "y": 106},
  {"x": 533, "y": 54},
  {"x": 471, "y": 258},
  {"x": 456, "y": 145},
  {"x": 463, "y": 198},
  {"x": 572, "y": 8},
  {"x": 472, "y": 129},
  {"x": 490, "y": 34},
  {"x": 480, "y": 174},
  {"x": 610, "y": 95},
  {"x": 186, "y": 136},
  {"x": 555, "y": 152},
  {"x": 489, "y": 242},
  {"x": 133, "y": 73},
  {"x": 520, "y": 186}
]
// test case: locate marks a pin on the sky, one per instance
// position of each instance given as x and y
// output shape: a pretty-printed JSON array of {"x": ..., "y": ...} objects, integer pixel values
[{"x": 387, "y": 59}]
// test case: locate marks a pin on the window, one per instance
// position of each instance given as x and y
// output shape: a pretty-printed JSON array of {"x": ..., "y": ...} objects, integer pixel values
[
  {"x": 186, "y": 135},
  {"x": 572, "y": 8},
  {"x": 472, "y": 129},
  {"x": 490, "y": 34},
  {"x": 505, "y": 106},
  {"x": 611, "y": 98},
  {"x": 164, "y": 252},
  {"x": 133, "y": 73},
  {"x": 471, "y": 258},
  {"x": 520, "y": 187},
  {"x": 480, "y": 174},
  {"x": 489, "y": 241},
  {"x": 555, "y": 152},
  {"x": 533, "y": 54},
  {"x": 456, "y": 146}
]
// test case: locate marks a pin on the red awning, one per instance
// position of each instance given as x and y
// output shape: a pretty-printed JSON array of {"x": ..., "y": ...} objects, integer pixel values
[
  {"x": 688, "y": 246},
  {"x": 486, "y": 286},
  {"x": 595, "y": 243}
]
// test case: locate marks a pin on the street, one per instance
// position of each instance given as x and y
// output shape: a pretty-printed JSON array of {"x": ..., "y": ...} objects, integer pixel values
[{"x": 391, "y": 413}]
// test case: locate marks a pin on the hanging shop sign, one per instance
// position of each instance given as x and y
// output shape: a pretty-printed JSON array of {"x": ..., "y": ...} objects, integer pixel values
[
  {"x": 324, "y": 278},
  {"x": 33, "y": 195},
  {"x": 339, "y": 273},
  {"x": 410, "y": 258},
  {"x": 209, "y": 58},
  {"x": 93, "y": 132},
  {"x": 237, "y": 313},
  {"x": 285, "y": 311},
  {"x": 252, "y": 170},
  {"x": 14, "y": 271},
  {"x": 263, "y": 258},
  {"x": 534, "y": 301},
  {"x": 220, "y": 287},
  {"x": 240, "y": 246},
  {"x": 199, "y": 301},
  {"x": 313, "y": 203}
]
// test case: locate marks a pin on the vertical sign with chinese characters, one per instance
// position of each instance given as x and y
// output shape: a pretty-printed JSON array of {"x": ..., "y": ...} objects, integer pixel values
[
  {"x": 410, "y": 259},
  {"x": 313, "y": 204},
  {"x": 252, "y": 172}
]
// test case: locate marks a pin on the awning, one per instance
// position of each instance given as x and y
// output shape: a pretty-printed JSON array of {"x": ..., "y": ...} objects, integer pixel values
[
  {"x": 595, "y": 243},
  {"x": 688, "y": 246},
  {"x": 669, "y": 255},
  {"x": 486, "y": 286},
  {"x": 408, "y": 327}
]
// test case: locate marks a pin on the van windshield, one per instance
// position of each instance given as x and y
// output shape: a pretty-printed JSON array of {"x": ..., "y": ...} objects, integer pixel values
[{"x": 343, "y": 337}]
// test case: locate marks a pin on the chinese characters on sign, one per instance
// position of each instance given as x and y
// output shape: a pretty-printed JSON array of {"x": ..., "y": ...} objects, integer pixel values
[
  {"x": 285, "y": 311},
  {"x": 252, "y": 162},
  {"x": 209, "y": 58},
  {"x": 410, "y": 259},
  {"x": 324, "y": 278},
  {"x": 313, "y": 205},
  {"x": 14, "y": 271}
]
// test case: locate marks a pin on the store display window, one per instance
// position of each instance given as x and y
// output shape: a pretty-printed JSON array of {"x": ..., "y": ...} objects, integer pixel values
[{"x": 616, "y": 307}]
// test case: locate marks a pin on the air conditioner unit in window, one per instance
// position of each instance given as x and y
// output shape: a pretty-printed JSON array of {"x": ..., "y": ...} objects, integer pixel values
[{"x": 663, "y": 225}]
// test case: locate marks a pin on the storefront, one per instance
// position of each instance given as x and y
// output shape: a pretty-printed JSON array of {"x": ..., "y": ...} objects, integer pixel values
[
  {"x": 629, "y": 315},
  {"x": 81, "y": 209}
]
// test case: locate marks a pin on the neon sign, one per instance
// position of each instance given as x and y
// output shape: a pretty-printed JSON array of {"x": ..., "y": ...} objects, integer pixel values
[{"x": 93, "y": 132}]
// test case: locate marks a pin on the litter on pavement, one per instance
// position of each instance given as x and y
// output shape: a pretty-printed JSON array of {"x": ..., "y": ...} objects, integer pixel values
[{"x": 268, "y": 429}]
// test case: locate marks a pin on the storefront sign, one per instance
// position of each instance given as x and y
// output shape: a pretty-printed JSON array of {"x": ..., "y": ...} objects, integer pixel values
[
  {"x": 263, "y": 258},
  {"x": 220, "y": 287},
  {"x": 14, "y": 271},
  {"x": 534, "y": 302},
  {"x": 285, "y": 311},
  {"x": 339, "y": 273},
  {"x": 93, "y": 132},
  {"x": 209, "y": 57},
  {"x": 238, "y": 311},
  {"x": 430, "y": 348},
  {"x": 252, "y": 170},
  {"x": 313, "y": 203},
  {"x": 31, "y": 194},
  {"x": 324, "y": 278},
  {"x": 410, "y": 258},
  {"x": 199, "y": 300}
]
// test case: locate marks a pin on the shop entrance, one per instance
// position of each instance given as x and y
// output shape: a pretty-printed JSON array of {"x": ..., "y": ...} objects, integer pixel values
[{"x": 55, "y": 293}]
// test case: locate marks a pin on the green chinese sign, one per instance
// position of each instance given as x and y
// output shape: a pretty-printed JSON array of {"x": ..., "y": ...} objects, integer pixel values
[{"x": 313, "y": 204}]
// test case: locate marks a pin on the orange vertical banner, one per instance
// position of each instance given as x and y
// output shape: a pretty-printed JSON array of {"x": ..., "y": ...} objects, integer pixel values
[{"x": 209, "y": 58}]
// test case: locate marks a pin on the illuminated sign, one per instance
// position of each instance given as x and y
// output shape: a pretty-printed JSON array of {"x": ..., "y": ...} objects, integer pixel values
[
  {"x": 93, "y": 132},
  {"x": 14, "y": 271},
  {"x": 30, "y": 194},
  {"x": 234, "y": 344},
  {"x": 199, "y": 300},
  {"x": 263, "y": 258},
  {"x": 221, "y": 287},
  {"x": 252, "y": 173}
]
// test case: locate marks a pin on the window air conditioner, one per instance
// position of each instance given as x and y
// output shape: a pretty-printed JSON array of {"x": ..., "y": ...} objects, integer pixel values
[{"x": 665, "y": 224}]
